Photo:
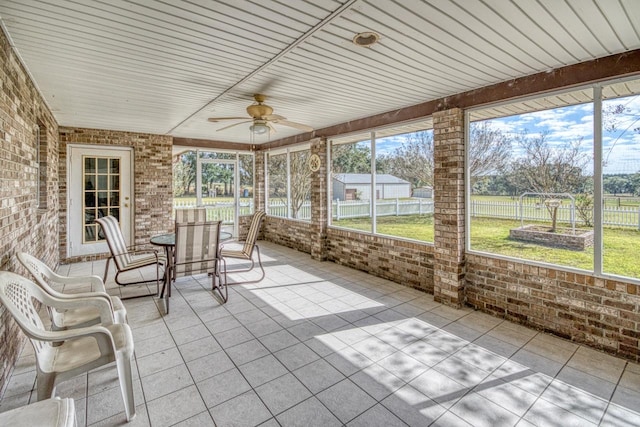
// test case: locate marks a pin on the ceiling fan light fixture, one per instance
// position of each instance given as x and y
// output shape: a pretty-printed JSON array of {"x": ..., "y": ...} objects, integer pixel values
[
  {"x": 366, "y": 39},
  {"x": 259, "y": 128}
]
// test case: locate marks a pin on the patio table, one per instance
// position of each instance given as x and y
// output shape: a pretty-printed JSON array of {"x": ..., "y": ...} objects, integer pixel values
[{"x": 168, "y": 242}]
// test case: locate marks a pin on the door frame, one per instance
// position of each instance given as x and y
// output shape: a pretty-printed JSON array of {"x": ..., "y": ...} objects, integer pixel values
[{"x": 128, "y": 232}]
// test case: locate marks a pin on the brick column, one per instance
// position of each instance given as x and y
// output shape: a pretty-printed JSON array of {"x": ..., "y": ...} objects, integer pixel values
[
  {"x": 448, "y": 197},
  {"x": 259, "y": 199},
  {"x": 319, "y": 201}
]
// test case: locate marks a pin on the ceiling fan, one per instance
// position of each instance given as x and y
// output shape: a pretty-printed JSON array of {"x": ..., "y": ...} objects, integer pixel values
[{"x": 262, "y": 118}]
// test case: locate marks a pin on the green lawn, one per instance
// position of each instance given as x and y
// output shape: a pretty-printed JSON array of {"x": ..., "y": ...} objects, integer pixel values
[
  {"x": 492, "y": 235},
  {"x": 418, "y": 227},
  {"x": 620, "y": 247}
]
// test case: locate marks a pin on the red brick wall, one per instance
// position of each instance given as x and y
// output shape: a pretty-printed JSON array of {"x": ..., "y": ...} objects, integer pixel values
[
  {"x": 288, "y": 232},
  {"x": 448, "y": 202},
  {"x": 598, "y": 312},
  {"x": 23, "y": 226},
  {"x": 404, "y": 262},
  {"x": 153, "y": 185}
]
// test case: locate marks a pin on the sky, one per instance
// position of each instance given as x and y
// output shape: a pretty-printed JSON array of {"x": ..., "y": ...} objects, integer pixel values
[{"x": 621, "y": 147}]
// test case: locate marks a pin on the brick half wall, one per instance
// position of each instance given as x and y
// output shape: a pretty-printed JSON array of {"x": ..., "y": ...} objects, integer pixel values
[
  {"x": 404, "y": 262},
  {"x": 599, "y": 312}
]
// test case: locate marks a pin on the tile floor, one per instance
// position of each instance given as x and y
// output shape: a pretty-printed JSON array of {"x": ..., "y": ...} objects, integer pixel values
[{"x": 317, "y": 344}]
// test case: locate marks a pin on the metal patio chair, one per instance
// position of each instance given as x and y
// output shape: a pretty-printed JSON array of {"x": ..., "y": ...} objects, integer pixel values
[
  {"x": 128, "y": 258},
  {"x": 197, "y": 251},
  {"x": 248, "y": 248}
]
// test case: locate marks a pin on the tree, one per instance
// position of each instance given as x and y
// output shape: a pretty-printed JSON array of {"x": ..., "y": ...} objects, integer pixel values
[
  {"x": 584, "y": 208},
  {"x": 411, "y": 161},
  {"x": 300, "y": 180},
  {"x": 549, "y": 169},
  {"x": 617, "y": 184},
  {"x": 546, "y": 169},
  {"x": 184, "y": 173},
  {"x": 351, "y": 158},
  {"x": 277, "y": 173},
  {"x": 246, "y": 171},
  {"x": 489, "y": 150}
]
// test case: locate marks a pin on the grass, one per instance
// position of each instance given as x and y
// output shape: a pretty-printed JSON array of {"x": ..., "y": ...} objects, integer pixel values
[
  {"x": 417, "y": 227},
  {"x": 492, "y": 236}
]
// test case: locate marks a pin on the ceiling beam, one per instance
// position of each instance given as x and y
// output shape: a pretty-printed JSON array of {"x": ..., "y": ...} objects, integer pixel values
[{"x": 210, "y": 143}]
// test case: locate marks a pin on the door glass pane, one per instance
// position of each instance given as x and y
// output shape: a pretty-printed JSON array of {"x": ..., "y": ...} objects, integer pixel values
[
  {"x": 101, "y": 189},
  {"x": 218, "y": 191},
  {"x": 246, "y": 184},
  {"x": 102, "y": 166}
]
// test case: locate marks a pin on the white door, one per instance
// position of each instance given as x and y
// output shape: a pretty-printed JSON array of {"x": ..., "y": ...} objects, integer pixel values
[{"x": 99, "y": 183}]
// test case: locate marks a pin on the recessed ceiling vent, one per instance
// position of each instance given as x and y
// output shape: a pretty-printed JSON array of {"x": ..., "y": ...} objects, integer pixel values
[{"x": 366, "y": 39}]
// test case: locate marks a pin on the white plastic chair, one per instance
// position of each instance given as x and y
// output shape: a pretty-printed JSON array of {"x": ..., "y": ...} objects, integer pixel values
[
  {"x": 46, "y": 413},
  {"x": 74, "y": 318},
  {"x": 77, "y": 350}
]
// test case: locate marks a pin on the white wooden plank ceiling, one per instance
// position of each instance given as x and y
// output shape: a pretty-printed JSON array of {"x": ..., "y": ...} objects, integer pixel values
[{"x": 166, "y": 66}]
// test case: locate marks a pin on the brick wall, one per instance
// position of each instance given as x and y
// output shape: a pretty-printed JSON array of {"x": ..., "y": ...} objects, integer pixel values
[
  {"x": 153, "y": 186},
  {"x": 319, "y": 208},
  {"x": 448, "y": 202},
  {"x": 288, "y": 232},
  {"x": 23, "y": 225},
  {"x": 404, "y": 262},
  {"x": 598, "y": 312}
]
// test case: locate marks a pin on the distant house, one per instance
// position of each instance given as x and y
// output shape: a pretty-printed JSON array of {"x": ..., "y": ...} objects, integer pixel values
[{"x": 354, "y": 186}]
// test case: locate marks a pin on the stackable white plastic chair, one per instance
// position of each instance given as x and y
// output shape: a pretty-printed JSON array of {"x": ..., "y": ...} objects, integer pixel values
[
  {"x": 74, "y": 318},
  {"x": 246, "y": 253},
  {"x": 76, "y": 351},
  {"x": 54, "y": 412}
]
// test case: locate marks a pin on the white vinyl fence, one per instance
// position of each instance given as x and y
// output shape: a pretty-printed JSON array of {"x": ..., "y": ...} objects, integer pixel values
[
  {"x": 622, "y": 216},
  {"x": 362, "y": 208},
  {"x": 217, "y": 211}
]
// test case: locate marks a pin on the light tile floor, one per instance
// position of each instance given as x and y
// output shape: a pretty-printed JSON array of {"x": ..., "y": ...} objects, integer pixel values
[{"x": 318, "y": 344}]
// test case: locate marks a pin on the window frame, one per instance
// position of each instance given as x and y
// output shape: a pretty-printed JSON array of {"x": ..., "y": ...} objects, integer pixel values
[
  {"x": 598, "y": 192},
  {"x": 287, "y": 151},
  {"x": 371, "y": 136}
]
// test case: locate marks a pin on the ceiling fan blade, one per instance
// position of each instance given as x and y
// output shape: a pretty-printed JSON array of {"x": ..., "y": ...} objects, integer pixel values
[
  {"x": 295, "y": 125},
  {"x": 272, "y": 129},
  {"x": 217, "y": 119},
  {"x": 235, "y": 124},
  {"x": 273, "y": 117}
]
